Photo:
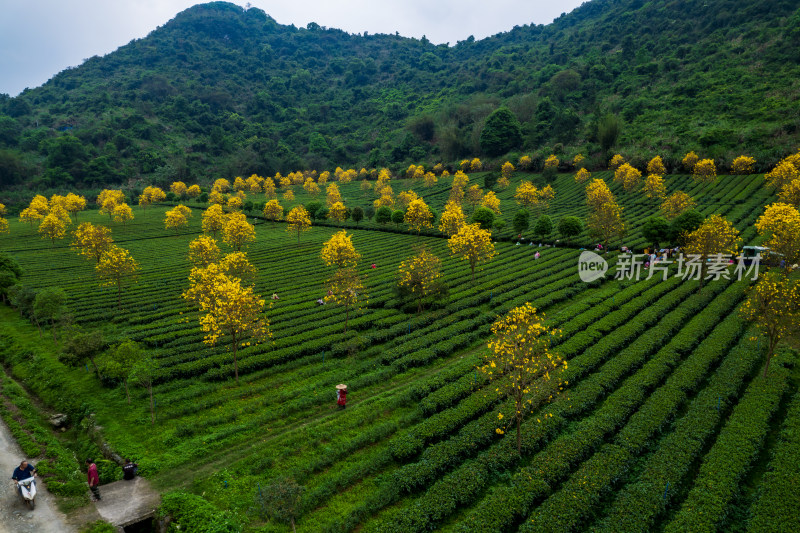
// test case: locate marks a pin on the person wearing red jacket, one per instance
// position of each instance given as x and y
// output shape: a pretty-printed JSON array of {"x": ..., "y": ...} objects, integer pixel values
[
  {"x": 341, "y": 396},
  {"x": 93, "y": 479}
]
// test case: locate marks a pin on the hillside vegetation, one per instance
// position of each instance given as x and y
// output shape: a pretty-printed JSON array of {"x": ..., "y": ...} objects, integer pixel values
[{"x": 221, "y": 91}]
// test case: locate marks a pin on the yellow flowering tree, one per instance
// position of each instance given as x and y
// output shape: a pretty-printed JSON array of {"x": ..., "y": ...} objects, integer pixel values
[
  {"x": 689, "y": 161},
  {"x": 551, "y": 164},
  {"x": 269, "y": 188},
  {"x": 221, "y": 185},
  {"x": 420, "y": 276},
  {"x": 714, "y": 236},
  {"x": 507, "y": 170},
  {"x": 345, "y": 288},
  {"x": 452, "y": 219},
  {"x": 3, "y": 225},
  {"x": 780, "y": 225},
  {"x": 464, "y": 165},
  {"x": 194, "y": 191},
  {"x": 783, "y": 173},
  {"x": 654, "y": 187},
  {"x": 227, "y": 308},
  {"x": 705, "y": 170},
  {"x": 773, "y": 305},
  {"x": 521, "y": 363},
  {"x": 150, "y": 195},
  {"x": 213, "y": 219},
  {"x": 656, "y": 166},
  {"x": 628, "y": 176},
  {"x": 178, "y": 188},
  {"x": 582, "y": 175},
  {"x": 333, "y": 194},
  {"x": 323, "y": 177},
  {"x": 273, "y": 211},
  {"x": 91, "y": 241},
  {"x": 338, "y": 212},
  {"x": 237, "y": 232},
  {"x": 239, "y": 184},
  {"x": 117, "y": 267},
  {"x": 123, "y": 213},
  {"x": 298, "y": 220},
  {"x": 598, "y": 193},
  {"x": 338, "y": 251},
  {"x": 177, "y": 218},
  {"x": 216, "y": 198},
  {"x": 677, "y": 203},
  {"x": 365, "y": 187},
  {"x": 236, "y": 265},
  {"x": 254, "y": 184},
  {"x": 108, "y": 199},
  {"x": 527, "y": 194},
  {"x": 790, "y": 193},
  {"x": 605, "y": 222},
  {"x": 475, "y": 165},
  {"x": 615, "y": 162},
  {"x": 235, "y": 203},
  {"x": 743, "y": 165},
  {"x": 491, "y": 201},
  {"x": 311, "y": 188},
  {"x": 418, "y": 216},
  {"x": 429, "y": 179},
  {"x": 203, "y": 251},
  {"x": 74, "y": 203},
  {"x": 405, "y": 198},
  {"x": 472, "y": 244},
  {"x": 288, "y": 195},
  {"x": 53, "y": 227},
  {"x": 525, "y": 162}
]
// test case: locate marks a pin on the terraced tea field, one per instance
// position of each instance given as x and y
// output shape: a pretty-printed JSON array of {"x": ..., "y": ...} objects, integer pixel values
[{"x": 666, "y": 424}]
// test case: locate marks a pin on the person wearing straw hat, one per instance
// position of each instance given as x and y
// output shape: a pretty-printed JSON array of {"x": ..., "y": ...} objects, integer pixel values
[{"x": 341, "y": 395}]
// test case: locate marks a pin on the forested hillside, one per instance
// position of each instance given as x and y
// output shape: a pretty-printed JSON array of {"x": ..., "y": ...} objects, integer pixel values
[{"x": 221, "y": 91}]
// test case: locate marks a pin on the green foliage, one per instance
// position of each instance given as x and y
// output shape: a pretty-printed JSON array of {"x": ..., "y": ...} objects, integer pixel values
[
  {"x": 357, "y": 214},
  {"x": 570, "y": 227},
  {"x": 279, "y": 500},
  {"x": 398, "y": 217},
  {"x": 383, "y": 215},
  {"x": 483, "y": 216},
  {"x": 190, "y": 512},
  {"x": 501, "y": 133},
  {"x": 521, "y": 220},
  {"x": 684, "y": 224},
  {"x": 656, "y": 230},
  {"x": 543, "y": 226},
  {"x": 10, "y": 274},
  {"x": 100, "y": 526}
]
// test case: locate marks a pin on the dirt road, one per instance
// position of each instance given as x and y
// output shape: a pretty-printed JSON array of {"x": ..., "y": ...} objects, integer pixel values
[{"x": 16, "y": 517}]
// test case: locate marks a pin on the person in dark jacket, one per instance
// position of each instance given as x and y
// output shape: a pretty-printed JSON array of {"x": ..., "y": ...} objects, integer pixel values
[{"x": 129, "y": 469}]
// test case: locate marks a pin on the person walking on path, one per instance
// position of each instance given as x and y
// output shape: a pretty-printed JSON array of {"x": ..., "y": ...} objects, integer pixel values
[
  {"x": 341, "y": 395},
  {"x": 129, "y": 470},
  {"x": 93, "y": 479}
]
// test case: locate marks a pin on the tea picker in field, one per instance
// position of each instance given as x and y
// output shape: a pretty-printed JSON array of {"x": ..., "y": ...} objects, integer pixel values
[
  {"x": 341, "y": 395},
  {"x": 93, "y": 478}
]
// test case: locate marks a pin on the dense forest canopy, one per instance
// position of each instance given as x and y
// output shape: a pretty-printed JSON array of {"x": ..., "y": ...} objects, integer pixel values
[{"x": 221, "y": 91}]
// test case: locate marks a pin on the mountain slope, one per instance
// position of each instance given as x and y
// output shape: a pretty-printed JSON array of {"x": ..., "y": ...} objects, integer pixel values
[{"x": 222, "y": 91}]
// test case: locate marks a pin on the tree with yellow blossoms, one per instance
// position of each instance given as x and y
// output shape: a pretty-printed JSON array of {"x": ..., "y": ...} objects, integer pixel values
[
  {"x": 194, "y": 191},
  {"x": 2, "y": 210},
  {"x": 522, "y": 364},
  {"x": 254, "y": 184},
  {"x": 405, "y": 198},
  {"x": 452, "y": 219},
  {"x": 714, "y": 236},
  {"x": 689, "y": 161},
  {"x": 790, "y": 193},
  {"x": 421, "y": 276},
  {"x": 332, "y": 193},
  {"x": 676, "y": 204},
  {"x": 339, "y": 252},
  {"x": 491, "y": 201},
  {"x": 365, "y": 187},
  {"x": 525, "y": 162},
  {"x": 579, "y": 161},
  {"x": 743, "y": 165},
  {"x": 582, "y": 175},
  {"x": 704, "y": 170},
  {"x": 269, "y": 188},
  {"x": 30, "y": 216},
  {"x": 221, "y": 186},
  {"x": 411, "y": 170},
  {"x": 474, "y": 196},
  {"x": 472, "y": 244},
  {"x": 177, "y": 218},
  {"x": 178, "y": 188},
  {"x": 773, "y": 305},
  {"x": 117, "y": 267},
  {"x": 527, "y": 194},
  {"x": 285, "y": 182},
  {"x": 108, "y": 199},
  {"x": 239, "y": 184},
  {"x": 74, "y": 204},
  {"x": 236, "y": 265},
  {"x": 464, "y": 165},
  {"x": 213, "y": 219},
  {"x": 288, "y": 195},
  {"x": 656, "y": 166},
  {"x": 216, "y": 198},
  {"x": 654, "y": 187},
  {"x": 91, "y": 241},
  {"x": 429, "y": 179},
  {"x": 237, "y": 232},
  {"x": 227, "y": 308},
  {"x": 386, "y": 199},
  {"x": 783, "y": 173},
  {"x": 53, "y": 227},
  {"x": 234, "y": 204},
  {"x": 780, "y": 226},
  {"x": 551, "y": 164},
  {"x": 418, "y": 216},
  {"x": 311, "y": 188},
  {"x": 273, "y": 211},
  {"x": 298, "y": 220},
  {"x": 475, "y": 165},
  {"x": 628, "y": 176},
  {"x": 598, "y": 193},
  {"x": 203, "y": 251},
  {"x": 123, "y": 213},
  {"x": 151, "y": 195},
  {"x": 338, "y": 212},
  {"x": 345, "y": 288},
  {"x": 507, "y": 170},
  {"x": 323, "y": 178},
  {"x": 3, "y": 225},
  {"x": 616, "y": 162},
  {"x": 605, "y": 222}
]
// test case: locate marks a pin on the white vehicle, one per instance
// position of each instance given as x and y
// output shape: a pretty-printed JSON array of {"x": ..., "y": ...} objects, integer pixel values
[{"x": 27, "y": 489}]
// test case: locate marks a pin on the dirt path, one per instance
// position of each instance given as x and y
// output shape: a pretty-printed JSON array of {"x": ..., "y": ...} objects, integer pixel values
[{"x": 16, "y": 517}]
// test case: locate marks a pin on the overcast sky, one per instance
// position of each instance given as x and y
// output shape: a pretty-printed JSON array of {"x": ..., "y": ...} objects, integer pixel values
[{"x": 40, "y": 39}]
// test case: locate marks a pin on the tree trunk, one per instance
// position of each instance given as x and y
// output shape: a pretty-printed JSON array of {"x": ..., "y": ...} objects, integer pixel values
[
  {"x": 770, "y": 353},
  {"x": 152, "y": 405},
  {"x": 294, "y": 529},
  {"x": 96, "y": 370}
]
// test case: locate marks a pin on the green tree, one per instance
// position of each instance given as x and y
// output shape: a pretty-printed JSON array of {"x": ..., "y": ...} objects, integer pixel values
[
  {"x": 280, "y": 500},
  {"x": 521, "y": 220},
  {"x": 608, "y": 129},
  {"x": 501, "y": 133},
  {"x": 656, "y": 230},
  {"x": 49, "y": 306},
  {"x": 543, "y": 226},
  {"x": 144, "y": 373},
  {"x": 358, "y": 215},
  {"x": 398, "y": 217},
  {"x": 82, "y": 346},
  {"x": 484, "y": 217},
  {"x": 120, "y": 362},
  {"x": 570, "y": 227},
  {"x": 384, "y": 215},
  {"x": 684, "y": 224},
  {"x": 369, "y": 212},
  {"x": 10, "y": 274}
]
